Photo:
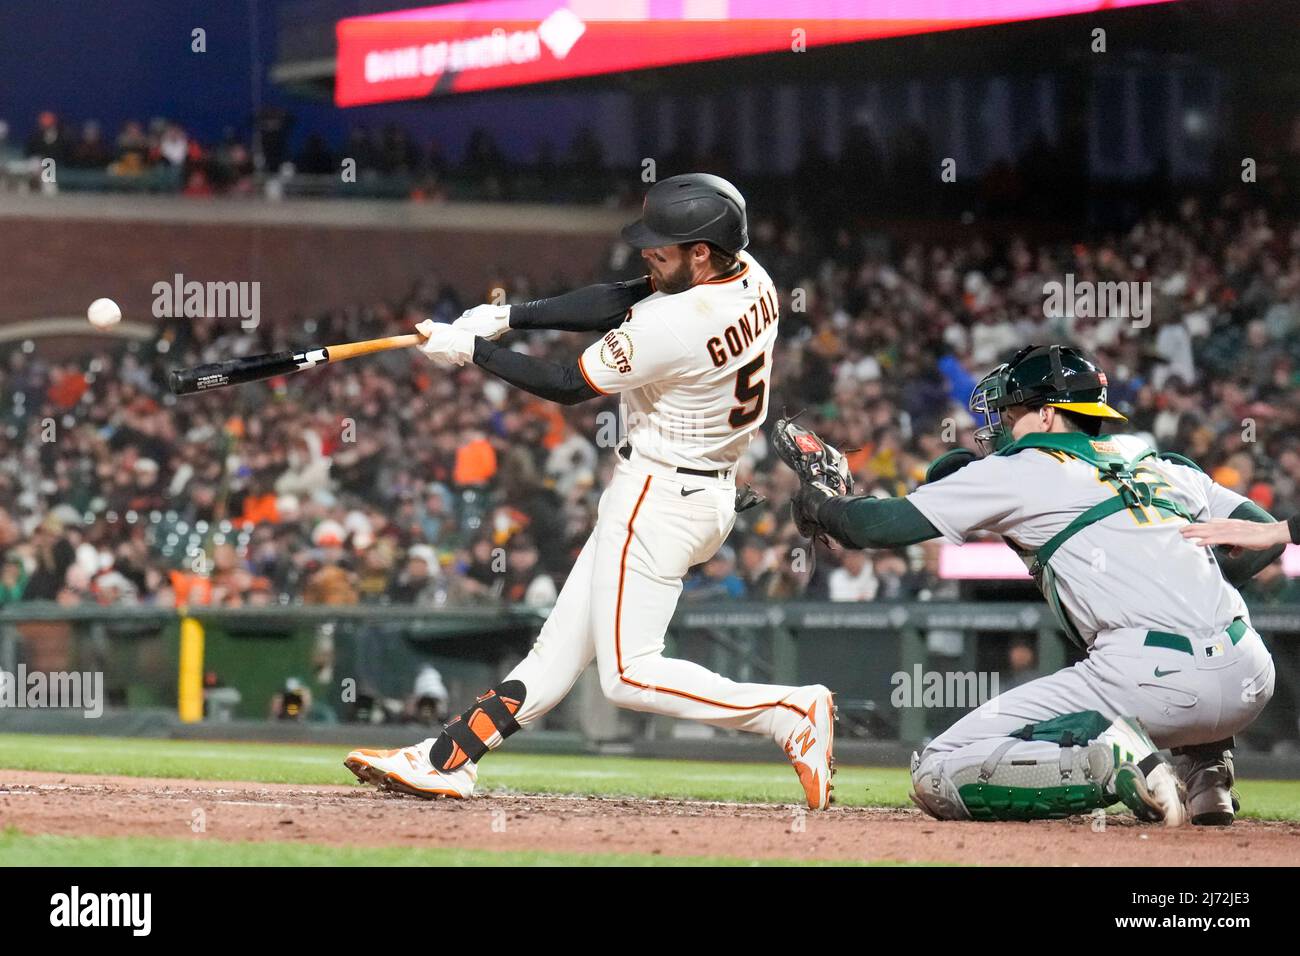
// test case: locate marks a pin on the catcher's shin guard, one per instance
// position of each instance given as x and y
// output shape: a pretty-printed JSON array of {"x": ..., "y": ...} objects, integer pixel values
[
  {"x": 1008, "y": 787},
  {"x": 1112, "y": 760},
  {"x": 488, "y": 722},
  {"x": 1070, "y": 764},
  {"x": 933, "y": 792}
]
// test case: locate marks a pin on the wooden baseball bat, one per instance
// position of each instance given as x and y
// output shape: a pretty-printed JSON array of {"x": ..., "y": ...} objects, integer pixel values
[{"x": 253, "y": 368}]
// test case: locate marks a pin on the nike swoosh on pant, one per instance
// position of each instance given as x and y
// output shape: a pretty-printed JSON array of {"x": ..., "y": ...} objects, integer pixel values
[{"x": 690, "y": 491}]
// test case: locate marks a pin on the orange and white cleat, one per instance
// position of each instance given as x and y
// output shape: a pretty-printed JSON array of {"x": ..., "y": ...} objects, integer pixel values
[
  {"x": 408, "y": 771},
  {"x": 811, "y": 749}
]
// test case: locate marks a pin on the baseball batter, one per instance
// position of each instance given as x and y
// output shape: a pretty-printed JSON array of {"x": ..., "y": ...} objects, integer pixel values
[
  {"x": 688, "y": 350},
  {"x": 1172, "y": 662}
]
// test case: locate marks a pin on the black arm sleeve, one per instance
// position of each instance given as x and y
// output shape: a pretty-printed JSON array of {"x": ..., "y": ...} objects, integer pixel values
[
  {"x": 549, "y": 380},
  {"x": 861, "y": 522},
  {"x": 1246, "y": 565},
  {"x": 594, "y": 308}
]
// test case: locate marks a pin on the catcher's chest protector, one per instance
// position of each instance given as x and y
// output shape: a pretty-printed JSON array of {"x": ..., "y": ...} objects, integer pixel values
[
  {"x": 1116, "y": 461},
  {"x": 1114, "y": 467}
]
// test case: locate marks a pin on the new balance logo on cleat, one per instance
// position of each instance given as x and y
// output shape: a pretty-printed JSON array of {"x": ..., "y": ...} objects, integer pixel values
[{"x": 806, "y": 739}]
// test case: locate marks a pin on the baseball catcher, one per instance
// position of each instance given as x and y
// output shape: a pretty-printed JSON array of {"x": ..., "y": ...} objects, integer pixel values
[{"x": 1172, "y": 661}]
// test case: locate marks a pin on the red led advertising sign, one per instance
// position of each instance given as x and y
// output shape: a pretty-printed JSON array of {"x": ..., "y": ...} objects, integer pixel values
[{"x": 498, "y": 43}]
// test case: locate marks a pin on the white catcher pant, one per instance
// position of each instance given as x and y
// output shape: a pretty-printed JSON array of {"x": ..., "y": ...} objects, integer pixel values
[
  {"x": 1182, "y": 699},
  {"x": 620, "y": 596}
]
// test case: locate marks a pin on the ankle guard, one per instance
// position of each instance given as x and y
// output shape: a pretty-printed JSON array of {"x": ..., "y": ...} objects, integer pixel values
[
  {"x": 483, "y": 727},
  {"x": 1210, "y": 751}
]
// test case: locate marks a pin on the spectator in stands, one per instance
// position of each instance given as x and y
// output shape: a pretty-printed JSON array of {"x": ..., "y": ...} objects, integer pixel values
[
  {"x": 49, "y": 140},
  {"x": 1022, "y": 665},
  {"x": 417, "y": 583},
  {"x": 891, "y": 573},
  {"x": 525, "y": 582},
  {"x": 854, "y": 579},
  {"x": 8, "y": 151},
  {"x": 90, "y": 151},
  {"x": 756, "y": 568},
  {"x": 717, "y": 580},
  {"x": 879, "y": 353},
  {"x": 362, "y": 150},
  {"x": 476, "y": 460},
  {"x": 173, "y": 145},
  {"x": 315, "y": 158},
  {"x": 132, "y": 150},
  {"x": 51, "y": 554},
  {"x": 13, "y": 579}
]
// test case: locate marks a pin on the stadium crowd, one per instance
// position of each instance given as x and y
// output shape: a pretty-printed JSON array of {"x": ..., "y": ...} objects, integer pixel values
[
  {"x": 390, "y": 481},
  {"x": 268, "y": 155},
  {"x": 162, "y": 155}
]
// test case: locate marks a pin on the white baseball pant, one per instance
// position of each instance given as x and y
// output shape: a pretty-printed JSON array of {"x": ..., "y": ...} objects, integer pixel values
[
  {"x": 1212, "y": 690},
  {"x": 653, "y": 525}
]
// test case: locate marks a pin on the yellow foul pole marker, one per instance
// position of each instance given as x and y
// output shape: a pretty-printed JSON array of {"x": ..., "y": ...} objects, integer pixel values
[{"x": 189, "y": 703}]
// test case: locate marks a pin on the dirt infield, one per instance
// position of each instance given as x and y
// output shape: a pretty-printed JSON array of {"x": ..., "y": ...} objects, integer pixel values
[{"x": 79, "y": 805}]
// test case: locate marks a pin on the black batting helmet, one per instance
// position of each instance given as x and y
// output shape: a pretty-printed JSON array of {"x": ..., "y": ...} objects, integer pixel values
[{"x": 695, "y": 207}]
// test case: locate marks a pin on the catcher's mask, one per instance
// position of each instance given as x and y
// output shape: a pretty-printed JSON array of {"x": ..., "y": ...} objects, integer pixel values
[{"x": 1038, "y": 375}]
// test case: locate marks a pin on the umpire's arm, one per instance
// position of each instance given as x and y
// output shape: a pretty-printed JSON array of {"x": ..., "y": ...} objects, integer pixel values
[{"x": 1246, "y": 542}]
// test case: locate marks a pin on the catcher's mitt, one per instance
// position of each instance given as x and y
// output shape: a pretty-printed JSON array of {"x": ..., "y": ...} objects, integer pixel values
[{"x": 823, "y": 472}]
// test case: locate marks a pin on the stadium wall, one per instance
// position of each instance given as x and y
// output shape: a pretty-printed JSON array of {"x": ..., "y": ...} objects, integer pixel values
[{"x": 308, "y": 255}]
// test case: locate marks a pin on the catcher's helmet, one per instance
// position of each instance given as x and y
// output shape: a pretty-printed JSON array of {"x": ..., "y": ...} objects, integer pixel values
[
  {"x": 695, "y": 207},
  {"x": 1039, "y": 375}
]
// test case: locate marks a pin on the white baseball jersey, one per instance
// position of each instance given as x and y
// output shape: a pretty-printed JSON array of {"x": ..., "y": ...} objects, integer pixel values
[
  {"x": 1132, "y": 569},
  {"x": 692, "y": 369},
  {"x": 692, "y": 372}
]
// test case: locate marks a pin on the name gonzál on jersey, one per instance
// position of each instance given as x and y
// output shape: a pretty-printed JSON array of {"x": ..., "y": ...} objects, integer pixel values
[{"x": 743, "y": 331}]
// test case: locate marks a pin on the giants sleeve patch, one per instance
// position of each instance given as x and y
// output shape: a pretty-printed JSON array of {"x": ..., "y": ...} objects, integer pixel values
[{"x": 616, "y": 351}]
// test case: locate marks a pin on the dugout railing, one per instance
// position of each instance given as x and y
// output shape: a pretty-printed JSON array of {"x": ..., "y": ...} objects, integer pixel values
[{"x": 902, "y": 670}]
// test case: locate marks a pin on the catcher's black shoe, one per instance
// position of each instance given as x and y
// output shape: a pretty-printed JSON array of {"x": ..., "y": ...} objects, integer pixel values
[{"x": 1209, "y": 778}]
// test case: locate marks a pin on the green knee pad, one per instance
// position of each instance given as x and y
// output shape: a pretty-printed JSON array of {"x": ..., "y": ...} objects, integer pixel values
[{"x": 1067, "y": 729}]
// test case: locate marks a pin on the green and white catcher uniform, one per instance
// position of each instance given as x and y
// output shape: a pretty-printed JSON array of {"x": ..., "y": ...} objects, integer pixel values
[{"x": 1169, "y": 639}]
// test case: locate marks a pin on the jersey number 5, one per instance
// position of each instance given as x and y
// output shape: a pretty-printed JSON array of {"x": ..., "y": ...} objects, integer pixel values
[{"x": 749, "y": 390}]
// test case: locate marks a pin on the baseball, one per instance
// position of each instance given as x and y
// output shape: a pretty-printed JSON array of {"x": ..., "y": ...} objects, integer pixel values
[{"x": 104, "y": 313}]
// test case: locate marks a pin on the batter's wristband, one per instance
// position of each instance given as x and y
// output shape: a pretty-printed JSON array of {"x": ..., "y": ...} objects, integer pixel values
[{"x": 1293, "y": 525}]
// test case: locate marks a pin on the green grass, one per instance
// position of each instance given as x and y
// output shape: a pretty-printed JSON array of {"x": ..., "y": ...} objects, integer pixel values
[
  {"x": 307, "y": 764},
  {"x": 772, "y": 782},
  {"x": 17, "y": 849}
]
